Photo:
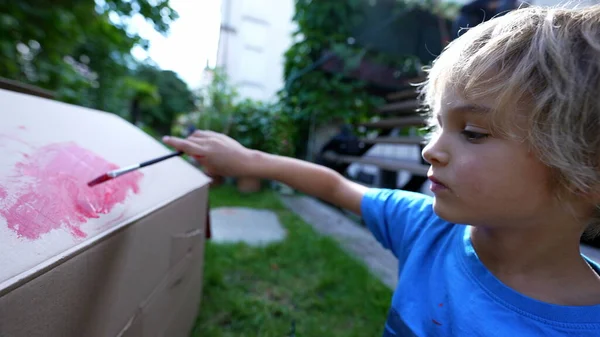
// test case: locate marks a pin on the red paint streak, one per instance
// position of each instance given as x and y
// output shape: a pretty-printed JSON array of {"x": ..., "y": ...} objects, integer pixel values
[
  {"x": 22, "y": 127},
  {"x": 15, "y": 139},
  {"x": 55, "y": 192},
  {"x": 441, "y": 305},
  {"x": 3, "y": 193},
  {"x": 103, "y": 178},
  {"x": 436, "y": 322}
]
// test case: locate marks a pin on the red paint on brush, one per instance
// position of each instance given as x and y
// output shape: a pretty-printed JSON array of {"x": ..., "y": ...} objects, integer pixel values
[
  {"x": 99, "y": 180},
  {"x": 54, "y": 191}
]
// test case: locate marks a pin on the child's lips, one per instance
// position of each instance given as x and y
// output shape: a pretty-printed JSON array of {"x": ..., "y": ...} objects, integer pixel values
[{"x": 436, "y": 185}]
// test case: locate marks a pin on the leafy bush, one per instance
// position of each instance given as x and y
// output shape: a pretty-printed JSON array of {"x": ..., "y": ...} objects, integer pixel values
[{"x": 263, "y": 127}]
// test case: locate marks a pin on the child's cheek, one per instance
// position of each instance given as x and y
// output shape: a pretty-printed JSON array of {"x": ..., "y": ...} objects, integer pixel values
[{"x": 471, "y": 177}]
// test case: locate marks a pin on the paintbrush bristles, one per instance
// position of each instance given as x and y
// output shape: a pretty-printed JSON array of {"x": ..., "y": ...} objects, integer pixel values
[{"x": 99, "y": 180}]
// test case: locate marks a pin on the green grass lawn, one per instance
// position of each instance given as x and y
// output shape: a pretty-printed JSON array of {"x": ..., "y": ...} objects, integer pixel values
[{"x": 303, "y": 286}]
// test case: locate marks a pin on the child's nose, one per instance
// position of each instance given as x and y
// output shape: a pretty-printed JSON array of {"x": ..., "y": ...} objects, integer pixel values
[{"x": 434, "y": 154}]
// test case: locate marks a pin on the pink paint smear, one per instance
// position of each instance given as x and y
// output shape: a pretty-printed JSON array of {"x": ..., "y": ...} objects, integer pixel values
[{"x": 53, "y": 192}]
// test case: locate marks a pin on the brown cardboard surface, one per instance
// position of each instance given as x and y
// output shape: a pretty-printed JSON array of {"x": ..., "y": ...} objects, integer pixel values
[
  {"x": 136, "y": 271},
  {"x": 178, "y": 287},
  {"x": 184, "y": 319},
  {"x": 29, "y": 123}
]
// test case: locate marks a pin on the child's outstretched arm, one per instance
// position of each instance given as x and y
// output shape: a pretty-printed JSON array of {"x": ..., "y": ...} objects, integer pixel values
[{"x": 222, "y": 155}]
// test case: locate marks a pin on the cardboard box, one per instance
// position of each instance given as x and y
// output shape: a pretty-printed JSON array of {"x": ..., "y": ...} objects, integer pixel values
[{"x": 123, "y": 258}]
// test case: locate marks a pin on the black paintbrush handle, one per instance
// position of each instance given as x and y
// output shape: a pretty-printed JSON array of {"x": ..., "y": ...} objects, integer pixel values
[{"x": 156, "y": 160}]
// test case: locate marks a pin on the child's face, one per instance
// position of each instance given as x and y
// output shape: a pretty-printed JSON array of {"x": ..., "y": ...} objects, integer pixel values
[{"x": 488, "y": 180}]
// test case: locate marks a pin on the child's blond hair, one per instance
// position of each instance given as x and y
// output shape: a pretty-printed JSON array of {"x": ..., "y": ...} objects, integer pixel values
[{"x": 544, "y": 59}]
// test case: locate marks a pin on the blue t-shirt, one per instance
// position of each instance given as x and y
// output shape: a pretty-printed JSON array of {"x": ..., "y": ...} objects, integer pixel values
[{"x": 443, "y": 288}]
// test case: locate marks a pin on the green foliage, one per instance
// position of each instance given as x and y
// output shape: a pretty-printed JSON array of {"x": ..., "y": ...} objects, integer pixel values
[
  {"x": 39, "y": 42},
  {"x": 263, "y": 127},
  {"x": 216, "y": 103},
  {"x": 174, "y": 98},
  {"x": 146, "y": 93},
  {"x": 251, "y": 123},
  {"x": 283, "y": 133},
  {"x": 81, "y": 50},
  {"x": 324, "y": 25},
  {"x": 255, "y": 124}
]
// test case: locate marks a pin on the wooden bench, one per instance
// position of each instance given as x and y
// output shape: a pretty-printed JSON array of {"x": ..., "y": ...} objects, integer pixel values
[{"x": 384, "y": 163}]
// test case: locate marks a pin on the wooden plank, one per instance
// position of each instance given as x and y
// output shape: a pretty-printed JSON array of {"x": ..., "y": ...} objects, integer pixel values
[
  {"x": 24, "y": 88},
  {"x": 384, "y": 163},
  {"x": 394, "y": 140},
  {"x": 390, "y": 123},
  {"x": 402, "y": 95},
  {"x": 367, "y": 71},
  {"x": 406, "y": 107}
]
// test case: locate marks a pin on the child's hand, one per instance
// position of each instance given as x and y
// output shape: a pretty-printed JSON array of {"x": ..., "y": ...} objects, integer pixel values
[{"x": 218, "y": 153}]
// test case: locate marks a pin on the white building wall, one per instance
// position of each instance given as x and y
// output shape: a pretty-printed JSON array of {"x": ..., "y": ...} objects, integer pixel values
[{"x": 254, "y": 37}]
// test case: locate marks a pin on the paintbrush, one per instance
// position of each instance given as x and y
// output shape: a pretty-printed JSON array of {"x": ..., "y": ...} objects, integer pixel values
[{"x": 119, "y": 172}]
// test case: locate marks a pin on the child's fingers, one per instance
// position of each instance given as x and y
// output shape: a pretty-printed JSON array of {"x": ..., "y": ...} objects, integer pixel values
[
  {"x": 185, "y": 145},
  {"x": 199, "y": 134}
]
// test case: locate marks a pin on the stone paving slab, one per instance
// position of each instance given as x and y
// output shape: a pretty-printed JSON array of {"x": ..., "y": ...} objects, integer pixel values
[
  {"x": 238, "y": 224},
  {"x": 356, "y": 240}
]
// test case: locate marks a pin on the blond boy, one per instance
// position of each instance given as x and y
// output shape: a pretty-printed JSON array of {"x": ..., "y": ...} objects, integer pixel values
[{"x": 515, "y": 170}]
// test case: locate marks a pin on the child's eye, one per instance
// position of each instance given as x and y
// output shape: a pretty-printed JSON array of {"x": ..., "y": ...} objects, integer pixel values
[{"x": 473, "y": 136}]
